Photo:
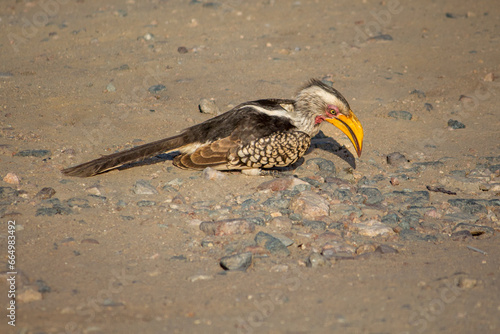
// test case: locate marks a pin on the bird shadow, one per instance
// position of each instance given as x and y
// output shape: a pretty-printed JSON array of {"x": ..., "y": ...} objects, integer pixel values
[
  {"x": 323, "y": 142},
  {"x": 160, "y": 158}
]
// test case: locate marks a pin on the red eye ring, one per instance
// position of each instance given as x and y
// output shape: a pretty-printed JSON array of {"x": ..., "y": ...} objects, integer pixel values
[{"x": 334, "y": 110}]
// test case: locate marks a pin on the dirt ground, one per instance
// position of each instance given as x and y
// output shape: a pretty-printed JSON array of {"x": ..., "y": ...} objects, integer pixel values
[{"x": 74, "y": 80}]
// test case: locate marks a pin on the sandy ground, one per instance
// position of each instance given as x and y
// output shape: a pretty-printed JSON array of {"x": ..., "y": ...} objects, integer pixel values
[{"x": 74, "y": 80}]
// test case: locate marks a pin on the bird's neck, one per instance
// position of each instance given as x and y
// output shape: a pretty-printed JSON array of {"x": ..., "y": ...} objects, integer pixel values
[{"x": 303, "y": 119}]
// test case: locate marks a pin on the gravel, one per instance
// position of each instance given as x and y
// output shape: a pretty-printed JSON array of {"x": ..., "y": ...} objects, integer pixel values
[{"x": 335, "y": 215}]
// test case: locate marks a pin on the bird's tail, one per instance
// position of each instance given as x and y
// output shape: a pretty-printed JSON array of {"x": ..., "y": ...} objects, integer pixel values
[{"x": 135, "y": 154}]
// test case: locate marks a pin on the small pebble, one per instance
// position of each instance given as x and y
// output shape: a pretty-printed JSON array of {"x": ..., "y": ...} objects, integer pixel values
[
  {"x": 42, "y": 286},
  {"x": 176, "y": 183},
  {"x": 314, "y": 225},
  {"x": 372, "y": 228},
  {"x": 465, "y": 99},
  {"x": 236, "y": 262},
  {"x": 461, "y": 235},
  {"x": 489, "y": 77},
  {"x": 454, "y": 124},
  {"x": 208, "y": 107},
  {"x": 272, "y": 244},
  {"x": 400, "y": 114},
  {"x": 178, "y": 199},
  {"x": 212, "y": 174},
  {"x": 145, "y": 203},
  {"x": 417, "y": 92},
  {"x": 207, "y": 243},
  {"x": 28, "y": 295},
  {"x": 326, "y": 167},
  {"x": 310, "y": 205},
  {"x": 56, "y": 209},
  {"x": 468, "y": 205},
  {"x": 366, "y": 248},
  {"x": 11, "y": 178},
  {"x": 68, "y": 241},
  {"x": 381, "y": 37},
  {"x": 156, "y": 88},
  {"x": 45, "y": 193},
  {"x": 90, "y": 241},
  {"x": 452, "y": 16},
  {"x": 143, "y": 187},
  {"x": 94, "y": 190},
  {"x": 372, "y": 195},
  {"x": 284, "y": 240},
  {"x": 396, "y": 159},
  {"x": 110, "y": 88},
  {"x": 391, "y": 219},
  {"x": 123, "y": 67},
  {"x": 200, "y": 277},
  {"x": 182, "y": 50},
  {"x": 78, "y": 202},
  {"x": 467, "y": 283},
  {"x": 33, "y": 153},
  {"x": 121, "y": 13},
  {"x": 338, "y": 249},
  {"x": 228, "y": 227},
  {"x": 279, "y": 268},
  {"x": 316, "y": 260},
  {"x": 411, "y": 197},
  {"x": 280, "y": 184},
  {"x": 281, "y": 223},
  {"x": 384, "y": 249},
  {"x": 148, "y": 37}
]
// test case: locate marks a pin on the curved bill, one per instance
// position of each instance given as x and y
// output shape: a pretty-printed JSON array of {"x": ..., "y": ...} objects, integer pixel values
[{"x": 352, "y": 128}]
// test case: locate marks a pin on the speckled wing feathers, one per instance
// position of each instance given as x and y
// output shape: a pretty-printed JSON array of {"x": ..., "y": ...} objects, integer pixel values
[{"x": 279, "y": 149}]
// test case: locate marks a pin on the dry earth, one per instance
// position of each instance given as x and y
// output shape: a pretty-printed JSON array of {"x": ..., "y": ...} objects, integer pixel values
[{"x": 74, "y": 80}]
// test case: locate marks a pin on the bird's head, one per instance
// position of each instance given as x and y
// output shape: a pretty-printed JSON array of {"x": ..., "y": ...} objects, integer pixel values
[{"x": 327, "y": 104}]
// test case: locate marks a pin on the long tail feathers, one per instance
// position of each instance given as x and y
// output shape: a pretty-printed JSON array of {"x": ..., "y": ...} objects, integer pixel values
[{"x": 135, "y": 154}]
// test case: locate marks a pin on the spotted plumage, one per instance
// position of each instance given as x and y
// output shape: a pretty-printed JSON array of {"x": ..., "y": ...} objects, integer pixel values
[{"x": 253, "y": 135}]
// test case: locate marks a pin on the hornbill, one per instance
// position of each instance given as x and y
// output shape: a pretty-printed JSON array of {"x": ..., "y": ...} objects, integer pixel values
[{"x": 252, "y": 136}]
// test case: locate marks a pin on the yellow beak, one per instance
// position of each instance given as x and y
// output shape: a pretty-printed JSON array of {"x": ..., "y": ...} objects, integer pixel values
[{"x": 352, "y": 128}]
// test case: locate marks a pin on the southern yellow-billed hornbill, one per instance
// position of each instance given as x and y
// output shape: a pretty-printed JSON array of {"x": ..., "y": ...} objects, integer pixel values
[{"x": 253, "y": 135}]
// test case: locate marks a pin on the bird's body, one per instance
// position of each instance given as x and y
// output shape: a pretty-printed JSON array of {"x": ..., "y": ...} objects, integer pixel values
[{"x": 253, "y": 135}]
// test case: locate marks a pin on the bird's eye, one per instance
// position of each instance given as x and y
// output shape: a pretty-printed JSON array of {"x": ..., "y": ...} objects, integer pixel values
[{"x": 334, "y": 110}]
